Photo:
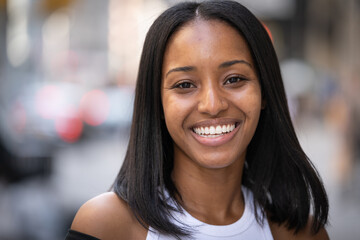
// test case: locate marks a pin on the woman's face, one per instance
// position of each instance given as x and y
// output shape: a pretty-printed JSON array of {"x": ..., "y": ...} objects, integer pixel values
[{"x": 211, "y": 95}]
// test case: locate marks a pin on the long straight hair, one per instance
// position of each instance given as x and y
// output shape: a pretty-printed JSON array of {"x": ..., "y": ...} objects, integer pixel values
[{"x": 284, "y": 182}]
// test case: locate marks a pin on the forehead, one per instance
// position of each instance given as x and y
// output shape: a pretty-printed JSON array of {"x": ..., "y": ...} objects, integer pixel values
[
  {"x": 206, "y": 39},
  {"x": 206, "y": 26}
]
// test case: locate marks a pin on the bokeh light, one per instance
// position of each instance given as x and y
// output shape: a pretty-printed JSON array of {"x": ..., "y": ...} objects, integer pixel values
[
  {"x": 69, "y": 125},
  {"x": 94, "y": 107}
]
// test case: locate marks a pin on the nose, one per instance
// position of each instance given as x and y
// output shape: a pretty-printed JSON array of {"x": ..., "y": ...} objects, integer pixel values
[{"x": 212, "y": 101}]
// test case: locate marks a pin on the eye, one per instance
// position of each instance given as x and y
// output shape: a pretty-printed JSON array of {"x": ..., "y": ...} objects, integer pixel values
[
  {"x": 184, "y": 85},
  {"x": 234, "y": 79}
]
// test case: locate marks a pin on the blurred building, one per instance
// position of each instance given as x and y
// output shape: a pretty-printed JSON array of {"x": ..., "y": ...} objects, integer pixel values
[{"x": 67, "y": 75}]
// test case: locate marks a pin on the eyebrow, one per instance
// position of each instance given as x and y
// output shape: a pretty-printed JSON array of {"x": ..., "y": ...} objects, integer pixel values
[
  {"x": 222, "y": 65},
  {"x": 232, "y": 62},
  {"x": 181, "y": 69}
]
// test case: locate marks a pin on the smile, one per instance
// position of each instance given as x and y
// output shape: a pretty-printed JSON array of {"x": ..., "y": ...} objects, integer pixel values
[{"x": 214, "y": 131}]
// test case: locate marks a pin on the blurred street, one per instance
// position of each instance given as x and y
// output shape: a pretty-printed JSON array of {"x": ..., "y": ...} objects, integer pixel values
[
  {"x": 67, "y": 77},
  {"x": 323, "y": 148},
  {"x": 48, "y": 204}
]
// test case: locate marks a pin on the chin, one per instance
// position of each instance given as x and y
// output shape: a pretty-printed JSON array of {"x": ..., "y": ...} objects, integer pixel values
[
  {"x": 215, "y": 163},
  {"x": 220, "y": 158}
]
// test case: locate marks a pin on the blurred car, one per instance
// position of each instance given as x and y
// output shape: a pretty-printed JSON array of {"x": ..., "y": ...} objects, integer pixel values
[{"x": 43, "y": 117}]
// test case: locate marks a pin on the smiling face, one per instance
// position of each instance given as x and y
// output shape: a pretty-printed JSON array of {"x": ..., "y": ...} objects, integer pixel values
[{"x": 211, "y": 95}]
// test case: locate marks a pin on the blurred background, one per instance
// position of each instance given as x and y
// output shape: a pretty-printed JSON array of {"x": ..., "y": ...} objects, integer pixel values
[{"x": 67, "y": 76}]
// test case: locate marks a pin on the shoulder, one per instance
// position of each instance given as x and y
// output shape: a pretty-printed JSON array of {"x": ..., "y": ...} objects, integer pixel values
[
  {"x": 108, "y": 217},
  {"x": 280, "y": 232}
]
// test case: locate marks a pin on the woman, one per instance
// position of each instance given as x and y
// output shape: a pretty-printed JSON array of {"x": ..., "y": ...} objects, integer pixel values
[{"x": 212, "y": 146}]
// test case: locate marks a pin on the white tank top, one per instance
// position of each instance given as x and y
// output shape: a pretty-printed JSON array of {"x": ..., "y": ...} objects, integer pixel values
[{"x": 246, "y": 227}]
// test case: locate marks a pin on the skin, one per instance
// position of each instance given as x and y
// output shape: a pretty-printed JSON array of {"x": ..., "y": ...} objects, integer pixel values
[
  {"x": 202, "y": 85},
  {"x": 219, "y": 86}
]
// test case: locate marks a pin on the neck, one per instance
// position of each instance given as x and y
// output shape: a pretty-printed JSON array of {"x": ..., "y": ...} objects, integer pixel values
[{"x": 211, "y": 195}]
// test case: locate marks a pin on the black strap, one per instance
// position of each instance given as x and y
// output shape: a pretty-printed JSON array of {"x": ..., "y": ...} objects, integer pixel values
[{"x": 75, "y": 235}]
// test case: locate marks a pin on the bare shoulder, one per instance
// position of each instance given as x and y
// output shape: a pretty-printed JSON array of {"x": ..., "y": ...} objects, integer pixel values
[
  {"x": 280, "y": 232},
  {"x": 108, "y": 217}
]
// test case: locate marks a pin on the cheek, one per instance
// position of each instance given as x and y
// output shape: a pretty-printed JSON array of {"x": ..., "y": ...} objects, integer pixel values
[
  {"x": 170, "y": 108},
  {"x": 175, "y": 112},
  {"x": 254, "y": 107},
  {"x": 249, "y": 102}
]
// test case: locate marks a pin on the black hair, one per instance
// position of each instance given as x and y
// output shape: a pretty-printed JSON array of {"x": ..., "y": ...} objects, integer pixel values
[{"x": 284, "y": 182}]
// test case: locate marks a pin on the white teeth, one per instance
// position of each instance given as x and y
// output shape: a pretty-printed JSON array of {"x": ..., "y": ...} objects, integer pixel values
[
  {"x": 214, "y": 131},
  {"x": 206, "y": 131},
  {"x": 218, "y": 130}
]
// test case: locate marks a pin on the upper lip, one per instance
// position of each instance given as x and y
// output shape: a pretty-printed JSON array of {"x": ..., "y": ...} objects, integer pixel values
[{"x": 215, "y": 122}]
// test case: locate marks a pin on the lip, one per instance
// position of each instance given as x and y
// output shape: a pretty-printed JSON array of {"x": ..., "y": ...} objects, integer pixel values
[{"x": 219, "y": 140}]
